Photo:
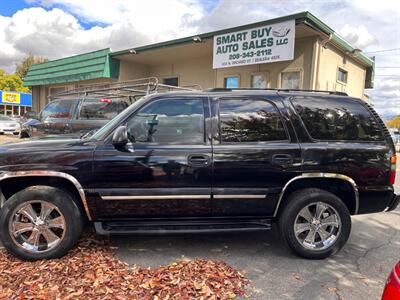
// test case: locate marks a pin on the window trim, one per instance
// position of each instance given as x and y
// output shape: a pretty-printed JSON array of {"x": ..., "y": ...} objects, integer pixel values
[
  {"x": 232, "y": 75},
  {"x": 220, "y": 142},
  {"x": 291, "y": 70},
  {"x": 265, "y": 73},
  {"x": 314, "y": 140},
  {"x": 339, "y": 69},
  {"x": 204, "y": 100}
]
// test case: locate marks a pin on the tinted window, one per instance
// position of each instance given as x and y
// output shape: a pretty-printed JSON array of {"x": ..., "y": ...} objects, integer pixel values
[
  {"x": 172, "y": 121},
  {"x": 171, "y": 81},
  {"x": 58, "y": 110},
  {"x": 250, "y": 121},
  {"x": 101, "y": 109},
  {"x": 337, "y": 119}
]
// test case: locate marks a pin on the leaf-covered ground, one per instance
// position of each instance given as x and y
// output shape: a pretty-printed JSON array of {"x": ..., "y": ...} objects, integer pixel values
[{"x": 91, "y": 271}]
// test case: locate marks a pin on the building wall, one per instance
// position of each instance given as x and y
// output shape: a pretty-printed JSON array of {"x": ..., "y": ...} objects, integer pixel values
[
  {"x": 129, "y": 70},
  {"x": 330, "y": 60},
  {"x": 199, "y": 70},
  {"x": 318, "y": 67},
  {"x": 41, "y": 93}
]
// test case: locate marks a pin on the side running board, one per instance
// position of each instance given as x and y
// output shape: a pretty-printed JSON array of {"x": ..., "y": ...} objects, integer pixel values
[{"x": 180, "y": 226}]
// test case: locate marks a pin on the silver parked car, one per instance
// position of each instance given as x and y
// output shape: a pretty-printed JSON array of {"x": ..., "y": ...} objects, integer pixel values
[{"x": 9, "y": 125}]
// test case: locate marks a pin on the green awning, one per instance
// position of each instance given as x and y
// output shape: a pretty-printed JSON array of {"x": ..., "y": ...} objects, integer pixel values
[{"x": 92, "y": 65}]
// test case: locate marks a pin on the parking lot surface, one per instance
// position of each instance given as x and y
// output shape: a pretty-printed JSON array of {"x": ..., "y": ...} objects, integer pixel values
[{"x": 359, "y": 271}]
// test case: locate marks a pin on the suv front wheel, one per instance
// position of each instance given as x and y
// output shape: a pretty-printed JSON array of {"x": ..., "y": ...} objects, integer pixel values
[
  {"x": 315, "y": 223},
  {"x": 40, "y": 222}
]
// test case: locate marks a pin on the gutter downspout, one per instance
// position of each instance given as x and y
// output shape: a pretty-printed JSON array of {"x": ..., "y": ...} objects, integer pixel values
[{"x": 319, "y": 48}]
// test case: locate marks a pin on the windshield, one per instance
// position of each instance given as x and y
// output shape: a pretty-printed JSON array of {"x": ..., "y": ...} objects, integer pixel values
[
  {"x": 5, "y": 118},
  {"x": 103, "y": 131}
]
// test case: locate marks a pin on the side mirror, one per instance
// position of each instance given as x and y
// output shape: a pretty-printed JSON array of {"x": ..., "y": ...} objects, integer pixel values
[{"x": 120, "y": 137}]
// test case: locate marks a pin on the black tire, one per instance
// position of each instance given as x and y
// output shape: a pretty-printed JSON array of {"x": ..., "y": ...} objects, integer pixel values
[
  {"x": 65, "y": 204},
  {"x": 301, "y": 199}
]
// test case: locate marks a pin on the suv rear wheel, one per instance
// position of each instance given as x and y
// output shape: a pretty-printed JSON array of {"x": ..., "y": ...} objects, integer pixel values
[
  {"x": 315, "y": 223},
  {"x": 41, "y": 222}
]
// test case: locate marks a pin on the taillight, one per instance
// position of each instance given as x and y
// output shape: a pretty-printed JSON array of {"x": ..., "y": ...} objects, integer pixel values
[
  {"x": 106, "y": 100},
  {"x": 396, "y": 273},
  {"x": 392, "y": 169}
]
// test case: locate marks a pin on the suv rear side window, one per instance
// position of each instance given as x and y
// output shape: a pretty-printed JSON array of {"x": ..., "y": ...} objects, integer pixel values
[
  {"x": 168, "y": 121},
  {"x": 61, "y": 109},
  {"x": 337, "y": 119},
  {"x": 101, "y": 109},
  {"x": 250, "y": 120}
]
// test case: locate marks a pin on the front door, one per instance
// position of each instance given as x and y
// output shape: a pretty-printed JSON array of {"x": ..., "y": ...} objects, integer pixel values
[
  {"x": 254, "y": 155},
  {"x": 165, "y": 170}
]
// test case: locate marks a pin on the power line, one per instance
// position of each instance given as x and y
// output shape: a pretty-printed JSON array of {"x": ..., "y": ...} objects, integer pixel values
[
  {"x": 385, "y": 50},
  {"x": 387, "y": 67}
]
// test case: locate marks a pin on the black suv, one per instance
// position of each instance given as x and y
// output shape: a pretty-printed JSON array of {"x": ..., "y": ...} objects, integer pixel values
[
  {"x": 72, "y": 117},
  {"x": 204, "y": 161}
]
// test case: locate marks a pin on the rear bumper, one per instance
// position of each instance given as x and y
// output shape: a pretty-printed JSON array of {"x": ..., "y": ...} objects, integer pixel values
[{"x": 394, "y": 203}]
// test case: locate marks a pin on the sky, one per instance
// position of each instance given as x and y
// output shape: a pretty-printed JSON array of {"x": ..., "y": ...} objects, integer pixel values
[{"x": 59, "y": 28}]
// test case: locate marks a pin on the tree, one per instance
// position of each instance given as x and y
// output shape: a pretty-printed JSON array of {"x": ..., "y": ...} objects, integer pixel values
[
  {"x": 29, "y": 60},
  {"x": 12, "y": 83},
  {"x": 394, "y": 123}
]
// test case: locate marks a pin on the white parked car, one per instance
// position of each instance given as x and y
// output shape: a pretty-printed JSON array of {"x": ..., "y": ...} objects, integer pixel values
[{"x": 9, "y": 126}]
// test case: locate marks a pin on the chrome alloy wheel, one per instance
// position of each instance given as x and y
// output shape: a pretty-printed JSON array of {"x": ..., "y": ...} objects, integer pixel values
[
  {"x": 317, "y": 226},
  {"x": 37, "y": 226}
]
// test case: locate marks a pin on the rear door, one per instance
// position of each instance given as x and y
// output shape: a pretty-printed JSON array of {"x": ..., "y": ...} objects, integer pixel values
[{"x": 254, "y": 155}]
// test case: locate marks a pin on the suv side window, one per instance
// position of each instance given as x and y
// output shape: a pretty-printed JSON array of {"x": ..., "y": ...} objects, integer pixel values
[
  {"x": 337, "y": 119},
  {"x": 58, "y": 110},
  {"x": 250, "y": 120},
  {"x": 168, "y": 121},
  {"x": 101, "y": 109}
]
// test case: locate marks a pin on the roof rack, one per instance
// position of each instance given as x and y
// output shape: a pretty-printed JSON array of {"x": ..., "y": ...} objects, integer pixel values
[
  {"x": 274, "y": 89},
  {"x": 127, "y": 90}
]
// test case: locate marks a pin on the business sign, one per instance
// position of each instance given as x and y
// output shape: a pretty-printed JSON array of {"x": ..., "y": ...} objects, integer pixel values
[
  {"x": 265, "y": 44},
  {"x": 15, "y": 98},
  {"x": 11, "y": 98}
]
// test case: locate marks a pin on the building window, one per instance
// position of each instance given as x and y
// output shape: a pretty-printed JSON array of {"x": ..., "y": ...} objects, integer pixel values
[
  {"x": 290, "y": 80},
  {"x": 231, "y": 82},
  {"x": 174, "y": 81},
  {"x": 56, "y": 90},
  {"x": 342, "y": 75},
  {"x": 259, "y": 81}
]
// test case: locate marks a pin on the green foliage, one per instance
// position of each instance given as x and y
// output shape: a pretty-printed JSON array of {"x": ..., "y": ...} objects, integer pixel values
[
  {"x": 29, "y": 60},
  {"x": 394, "y": 123},
  {"x": 12, "y": 82}
]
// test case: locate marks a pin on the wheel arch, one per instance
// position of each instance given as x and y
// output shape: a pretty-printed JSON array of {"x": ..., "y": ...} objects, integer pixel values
[
  {"x": 322, "y": 181},
  {"x": 26, "y": 178}
]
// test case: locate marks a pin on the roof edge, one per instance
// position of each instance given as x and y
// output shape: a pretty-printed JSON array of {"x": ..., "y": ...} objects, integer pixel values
[{"x": 301, "y": 17}]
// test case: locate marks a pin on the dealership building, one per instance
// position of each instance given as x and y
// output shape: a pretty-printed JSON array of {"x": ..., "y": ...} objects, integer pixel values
[{"x": 298, "y": 51}]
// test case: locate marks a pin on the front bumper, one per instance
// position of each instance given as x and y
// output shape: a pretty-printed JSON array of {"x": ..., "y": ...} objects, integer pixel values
[
  {"x": 10, "y": 130},
  {"x": 394, "y": 203}
]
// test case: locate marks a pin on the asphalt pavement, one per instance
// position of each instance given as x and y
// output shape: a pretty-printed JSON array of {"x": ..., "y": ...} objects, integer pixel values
[{"x": 359, "y": 271}]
